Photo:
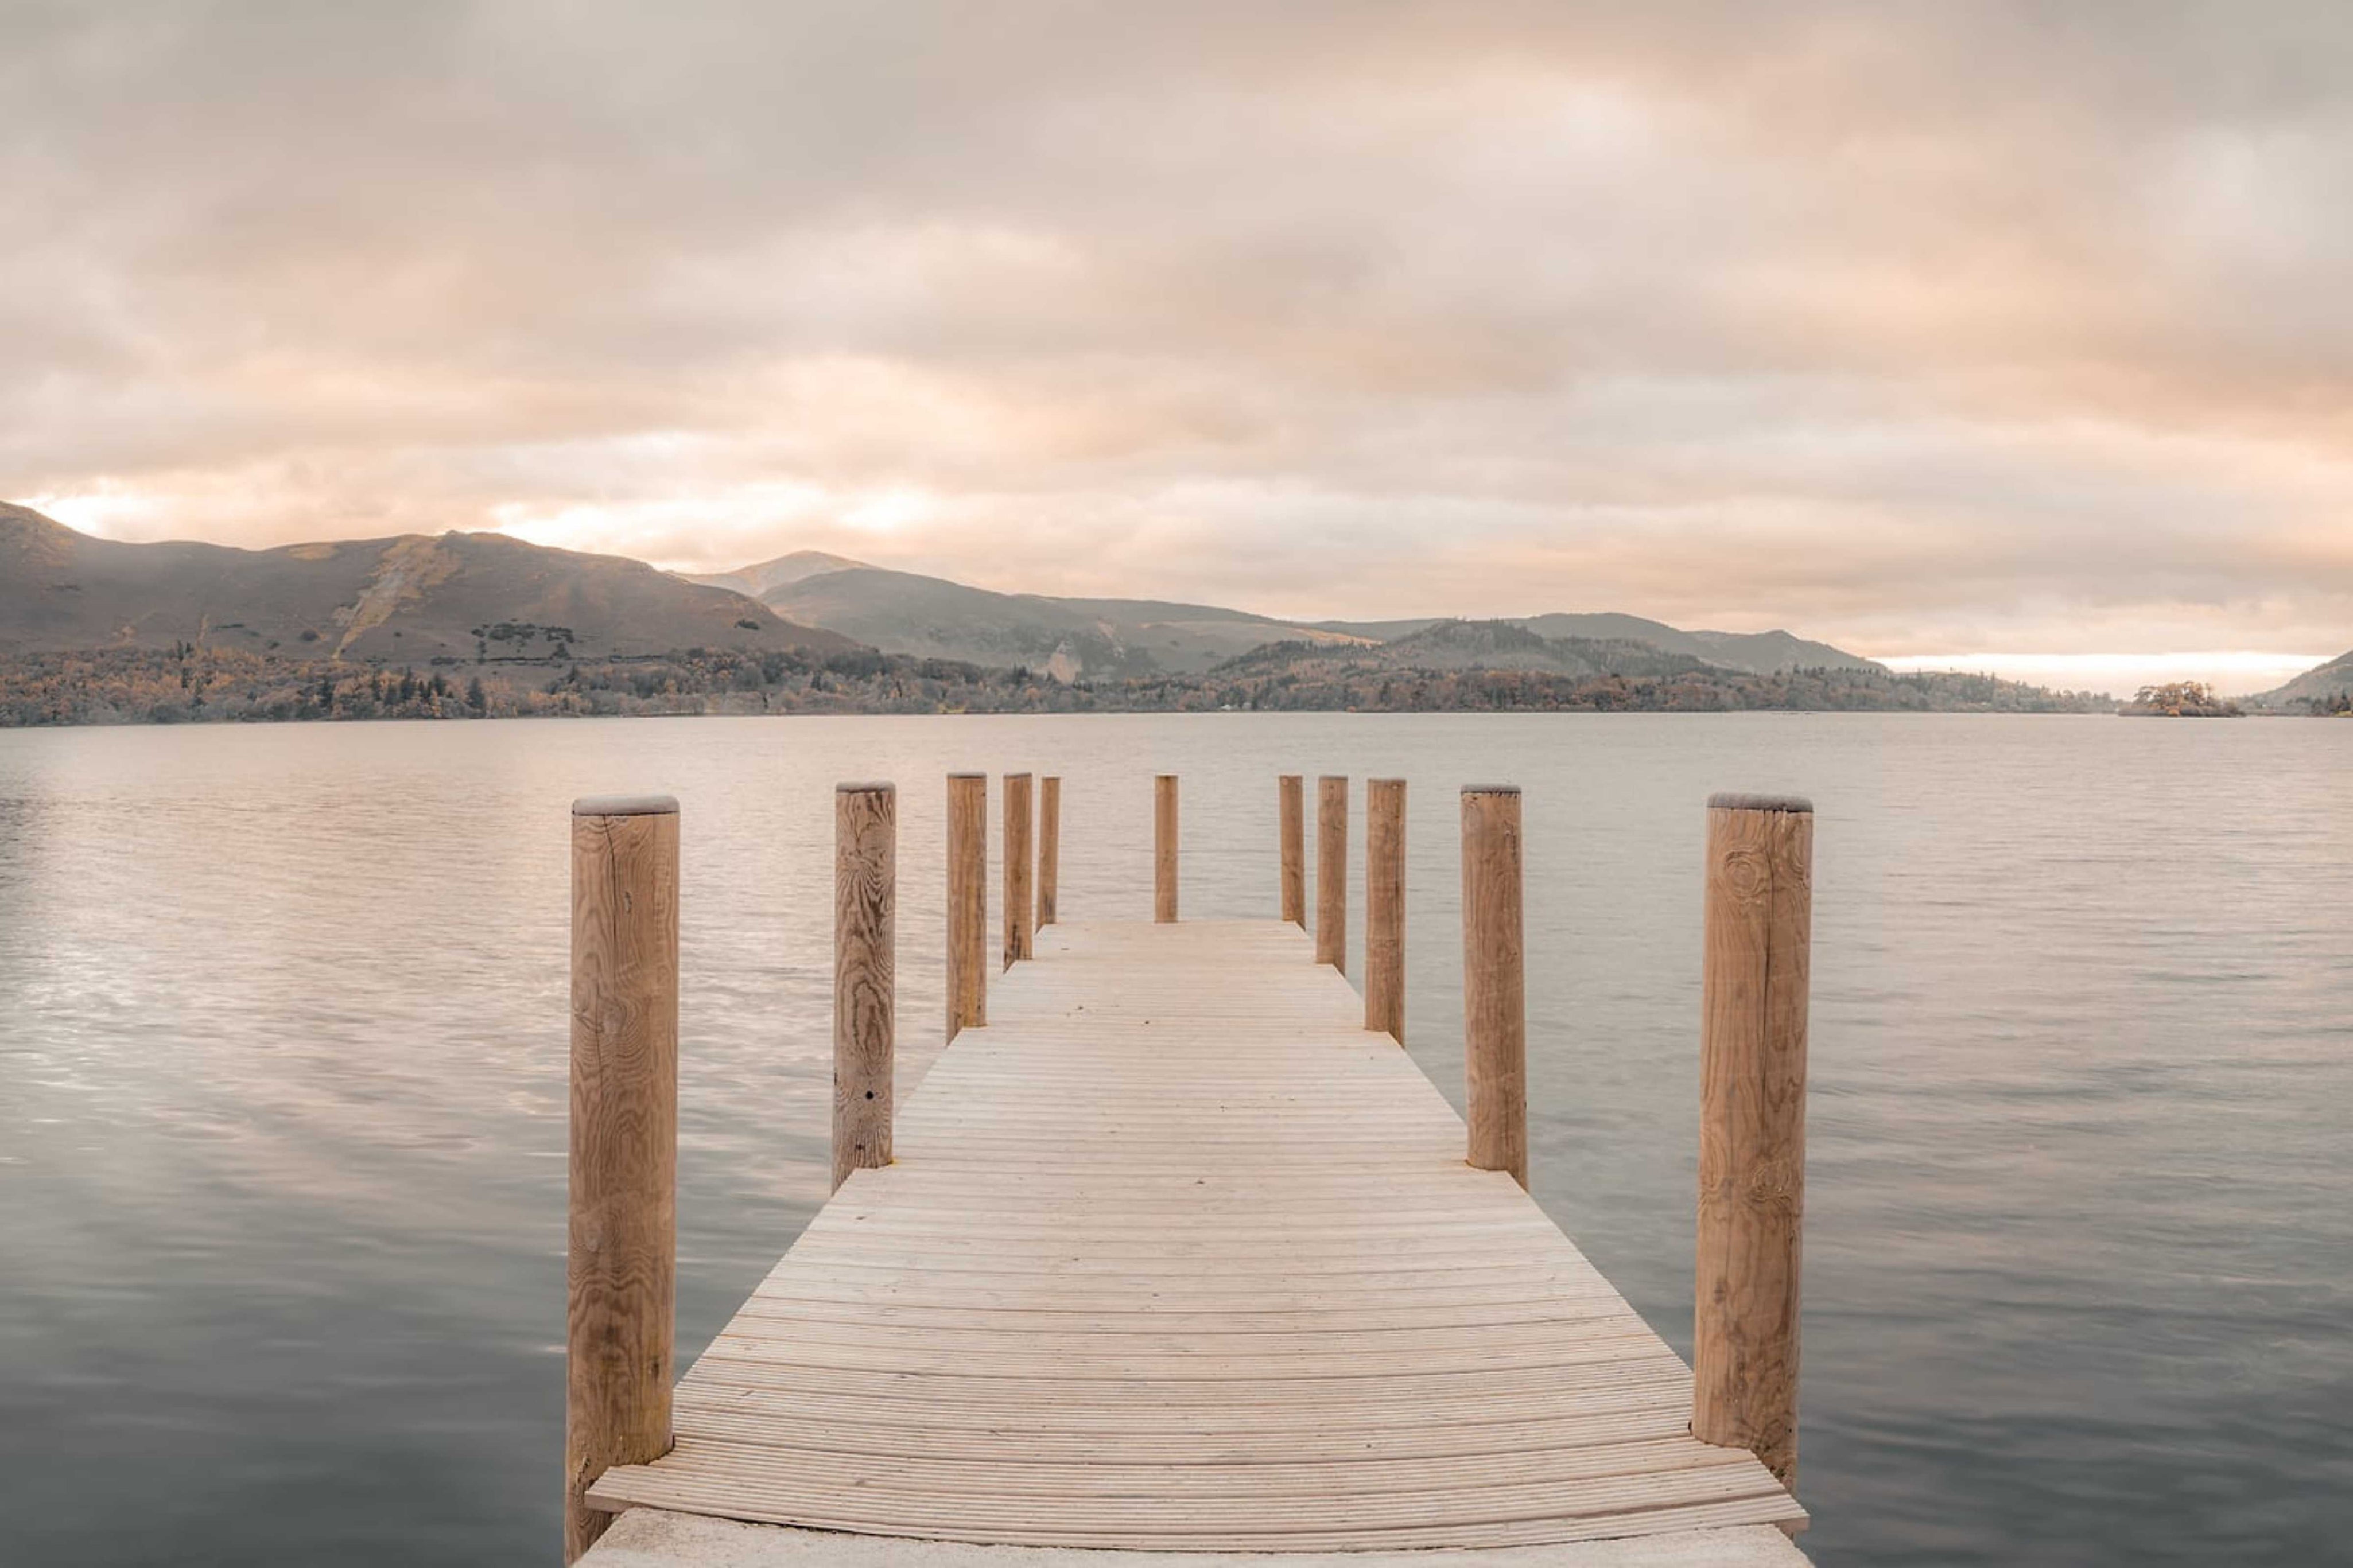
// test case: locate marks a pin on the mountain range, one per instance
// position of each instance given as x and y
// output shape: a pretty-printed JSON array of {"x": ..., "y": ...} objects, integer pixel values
[
  {"x": 401, "y": 600},
  {"x": 2320, "y": 686},
  {"x": 1070, "y": 639},
  {"x": 458, "y": 597}
]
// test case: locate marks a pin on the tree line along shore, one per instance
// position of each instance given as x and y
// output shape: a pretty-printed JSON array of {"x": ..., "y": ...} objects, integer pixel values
[{"x": 185, "y": 684}]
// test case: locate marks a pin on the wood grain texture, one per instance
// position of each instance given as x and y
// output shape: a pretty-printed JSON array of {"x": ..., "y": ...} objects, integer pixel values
[
  {"x": 1050, "y": 848},
  {"x": 1164, "y": 848},
  {"x": 1292, "y": 813},
  {"x": 967, "y": 899},
  {"x": 1332, "y": 871},
  {"x": 1385, "y": 907},
  {"x": 1494, "y": 1000},
  {"x": 1175, "y": 1255},
  {"x": 622, "y": 1254},
  {"x": 1021, "y": 871},
  {"x": 1752, "y": 1163},
  {"x": 865, "y": 971}
]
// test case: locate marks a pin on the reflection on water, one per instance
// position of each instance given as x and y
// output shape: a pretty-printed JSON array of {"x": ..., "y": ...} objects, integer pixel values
[{"x": 282, "y": 1058}]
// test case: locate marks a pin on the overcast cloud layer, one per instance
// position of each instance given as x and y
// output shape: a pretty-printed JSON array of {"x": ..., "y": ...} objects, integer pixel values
[{"x": 1922, "y": 327}]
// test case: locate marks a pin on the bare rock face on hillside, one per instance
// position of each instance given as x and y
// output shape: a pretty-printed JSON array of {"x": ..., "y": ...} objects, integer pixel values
[{"x": 402, "y": 600}]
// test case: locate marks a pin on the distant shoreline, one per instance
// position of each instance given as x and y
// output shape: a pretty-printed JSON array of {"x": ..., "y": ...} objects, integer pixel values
[{"x": 190, "y": 685}]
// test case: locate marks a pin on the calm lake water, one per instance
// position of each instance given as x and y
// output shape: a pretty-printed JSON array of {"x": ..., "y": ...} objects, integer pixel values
[{"x": 282, "y": 1047}]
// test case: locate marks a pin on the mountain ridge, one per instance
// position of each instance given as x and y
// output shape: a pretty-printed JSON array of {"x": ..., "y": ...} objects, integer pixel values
[
  {"x": 2322, "y": 685},
  {"x": 411, "y": 597},
  {"x": 1070, "y": 639},
  {"x": 404, "y": 598},
  {"x": 1760, "y": 653},
  {"x": 1114, "y": 638},
  {"x": 765, "y": 576}
]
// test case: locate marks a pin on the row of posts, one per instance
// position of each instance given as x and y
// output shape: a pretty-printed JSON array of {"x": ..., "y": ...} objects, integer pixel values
[
  {"x": 621, "y": 1274},
  {"x": 1033, "y": 861},
  {"x": 1494, "y": 1009},
  {"x": 865, "y": 881}
]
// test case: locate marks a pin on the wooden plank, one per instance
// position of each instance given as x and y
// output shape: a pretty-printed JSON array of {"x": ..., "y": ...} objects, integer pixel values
[
  {"x": 740, "y": 1419},
  {"x": 1246, "y": 1436},
  {"x": 1175, "y": 1257}
]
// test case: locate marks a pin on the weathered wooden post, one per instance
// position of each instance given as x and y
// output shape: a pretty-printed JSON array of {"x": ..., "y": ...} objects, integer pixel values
[
  {"x": 1049, "y": 845},
  {"x": 1294, "y": 850},
  {"x": 1752, "y": 1144},
  {"x": 865, "y": 986},
  {"x": 967, "y": 901},
  {"x": 1021, "y": 895},
  {"x": 1164, "y": 848},
  {"x": 622, "y": 1257},
  {"x": 1494, "y": 999},
  {"x": 1385, "y": 906},
  {"x": 1332, "y": 871}
]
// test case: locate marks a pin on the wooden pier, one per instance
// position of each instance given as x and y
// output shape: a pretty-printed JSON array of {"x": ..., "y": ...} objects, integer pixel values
[{"x": 1179, "y": 1252}]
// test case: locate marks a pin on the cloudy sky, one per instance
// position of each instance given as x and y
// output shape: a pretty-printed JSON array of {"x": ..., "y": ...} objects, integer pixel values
[{"x": 1941, "y": 331}]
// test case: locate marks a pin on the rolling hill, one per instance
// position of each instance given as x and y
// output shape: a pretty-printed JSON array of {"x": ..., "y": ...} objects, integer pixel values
[
  {"x": 400, "y": 600},
  {"x": 1760, "y": 653},
  {"x": 2323, "y": 684},
  {"x": 1470, "y": 646},
  {"x": 769, "y": 575},
  {"x": 415, "y": 597},
  {"x": 933, "y": 617}
]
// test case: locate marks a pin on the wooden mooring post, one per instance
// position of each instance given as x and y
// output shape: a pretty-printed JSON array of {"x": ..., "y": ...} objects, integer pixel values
[
  {"x": 621, "y": 1263},
  {"x": 1164, "y": 848},
  {"x": 1049, "y": 847},
  {"x": 1021, "y": 895},
  {"x": 1494, "y": 997},
  {"x": 1332, "y": 871},
  {"x": 967, "y": 971},
  {"x": 1752, "y": 1150},
  {"x": 1292, "y": 812},
  {"x": 1385, "y": 907},
  {"x": 865, "y": 956}
]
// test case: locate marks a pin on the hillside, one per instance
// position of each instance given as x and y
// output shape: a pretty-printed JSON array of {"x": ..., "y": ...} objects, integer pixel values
[
  {"x": 1497, "y": 666},
  {"x": 1760, "y": 653},
  {"x": 2323, "y": 686},
  {"x": 1446, "y": 645},
  {"x": 1073, "y": 639},
  {"x": 402, "y": 600},
  {"x": 769, "y": 575}
]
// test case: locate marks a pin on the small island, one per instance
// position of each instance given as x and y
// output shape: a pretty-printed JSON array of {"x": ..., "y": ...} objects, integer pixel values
[{"x": 2180, "y": 699}]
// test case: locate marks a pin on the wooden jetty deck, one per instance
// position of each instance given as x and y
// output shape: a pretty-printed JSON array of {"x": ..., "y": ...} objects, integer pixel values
[{"x": 1173, "y": 1254}]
